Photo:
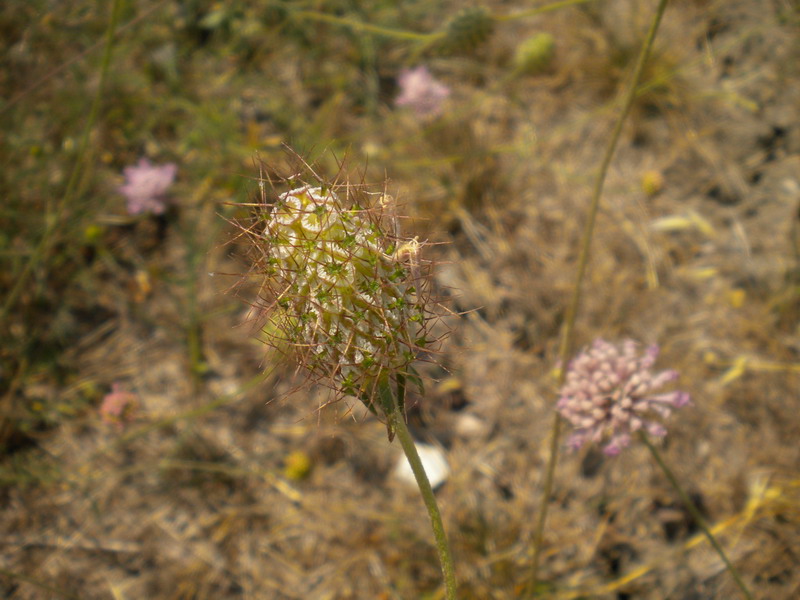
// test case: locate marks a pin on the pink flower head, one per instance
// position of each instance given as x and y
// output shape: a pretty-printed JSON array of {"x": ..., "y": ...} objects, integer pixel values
[
  {"x": 118, "y": 406},
  {"x": 146, "y": 186},
  {"x": 608, "y": 395},
  {"x": 421, "y": 92}
]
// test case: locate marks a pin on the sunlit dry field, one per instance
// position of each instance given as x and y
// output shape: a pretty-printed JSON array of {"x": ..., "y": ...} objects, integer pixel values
[{"x": 152, "y": 446}]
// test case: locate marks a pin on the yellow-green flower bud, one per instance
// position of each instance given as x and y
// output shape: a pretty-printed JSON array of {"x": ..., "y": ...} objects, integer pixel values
[
  {"x": 534, "y": 54},
  {"x": 652, "y": 182},
  {"x": 297, "y": 465}
]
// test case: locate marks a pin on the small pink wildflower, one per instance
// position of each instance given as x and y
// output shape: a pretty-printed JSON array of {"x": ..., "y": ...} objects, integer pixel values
[
  {"x": 118, "y": 406},
  {"x": 608, "y": 395},
  {"x": 421, "y": 92},
  {"x": 146, "y": 186}
]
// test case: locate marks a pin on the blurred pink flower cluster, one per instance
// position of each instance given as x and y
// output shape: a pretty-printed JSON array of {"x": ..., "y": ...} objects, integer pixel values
[
  {"x": 609, "y": 394},
  {"x": 421, "y": 92},
  {"x": 146, "y": 187},
  {"x": 118, "y": 406}
]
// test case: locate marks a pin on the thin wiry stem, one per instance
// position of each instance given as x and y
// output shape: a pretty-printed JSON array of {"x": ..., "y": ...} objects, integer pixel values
[
  {"x": 17, "y": 98},
  {"x": 565, "y": 348},
  {"x": 531, "y": 12},
  {"x": 356, "y": 25},
  {"x": 426, "y": 38},
  {"x": 397, "y": 424},
  {"x": 53, "y": 219},
  {"x": 698, "y": 518}
]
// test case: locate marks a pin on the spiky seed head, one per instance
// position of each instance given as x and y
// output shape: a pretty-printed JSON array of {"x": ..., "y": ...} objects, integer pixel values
[
  {"x": 469, "y": 29},
  {"x": 344, "y": 294}
]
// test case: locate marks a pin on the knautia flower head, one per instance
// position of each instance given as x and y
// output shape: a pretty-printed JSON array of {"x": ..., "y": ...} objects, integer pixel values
[
  {"x": 609, "y": 394},
  {"x": 421, "y": 92},
  {"x": 344, "y": 295},
  {"x": 146, "y": 186}
]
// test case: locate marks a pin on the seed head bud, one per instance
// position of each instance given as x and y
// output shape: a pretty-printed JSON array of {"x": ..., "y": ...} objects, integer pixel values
[
  {"x": 469, "y": 29},
  {"x": 343, "y": 294}
]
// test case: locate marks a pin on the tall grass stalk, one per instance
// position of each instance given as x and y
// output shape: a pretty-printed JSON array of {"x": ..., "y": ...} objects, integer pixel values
[
  {"x": 53, "y": 218},
  {"x": 426, "y": 38},
  {"x": 566, "y": 344}
]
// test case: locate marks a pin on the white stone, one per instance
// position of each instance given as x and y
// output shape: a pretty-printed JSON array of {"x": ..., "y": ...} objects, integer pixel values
[{"x": 433, "y": 461}]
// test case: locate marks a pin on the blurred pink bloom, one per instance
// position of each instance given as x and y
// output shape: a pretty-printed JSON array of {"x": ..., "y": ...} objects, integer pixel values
[
  {"x": 608, "y": 395},
  {"x": 421, "y": 92},
  {"x": 146, "y": 186},
  {"x": 118, "y": 406}
]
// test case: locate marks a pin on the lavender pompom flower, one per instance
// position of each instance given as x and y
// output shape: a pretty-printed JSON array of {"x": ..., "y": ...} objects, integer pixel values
[
  {"x": 146, "y": 186},
  {"x": 118, "y": 406},
  {"x": 421, "y": 92},
  {"x": 608, "y": 395}
]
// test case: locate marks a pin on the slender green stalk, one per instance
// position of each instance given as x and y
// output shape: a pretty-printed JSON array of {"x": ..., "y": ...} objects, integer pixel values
[
  {"x": 194, "y": 329},
  {"x": 355, "y": 25},
  {"x": 53, "y": 219},
  {"x": 698, "y": 518},
  {"x": 397, "y": 424},
  {"x": 541, "y": 9},
  {"x": 17, "y": 98},
  {"x": 426, "y": 39},
  {"x": 565, "y": 348}
]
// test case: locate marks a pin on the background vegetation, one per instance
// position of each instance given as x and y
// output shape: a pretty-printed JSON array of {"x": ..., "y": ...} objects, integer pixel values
[{"x": 224, "y": 480}]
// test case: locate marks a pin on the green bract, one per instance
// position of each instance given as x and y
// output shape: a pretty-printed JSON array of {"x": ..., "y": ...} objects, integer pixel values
[{"x": 343, "y": 297}]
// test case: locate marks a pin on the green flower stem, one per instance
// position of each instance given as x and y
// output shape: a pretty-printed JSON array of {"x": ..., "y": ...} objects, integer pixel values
[
  {"x": 531, "y": 12},
  {"x": 565, "y": 348},
  {"x": 690, "y": 506},
  {"x": 355, "y": 25},
  {"x": 397, "y": 424},
  {"x": 425, "y": 40}
]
